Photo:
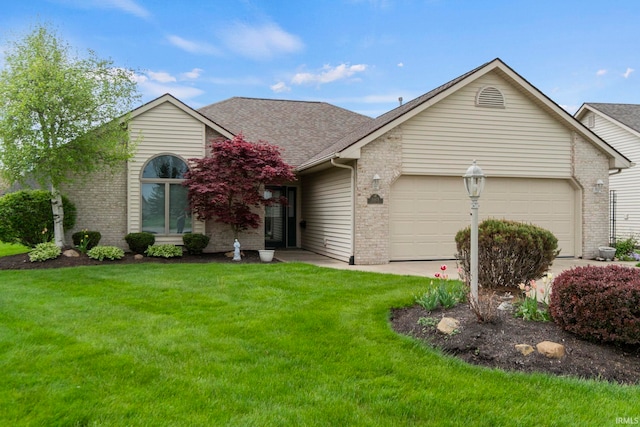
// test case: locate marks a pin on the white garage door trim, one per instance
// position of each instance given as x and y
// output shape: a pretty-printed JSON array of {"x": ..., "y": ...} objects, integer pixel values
[{"x": 427, "y": 211}]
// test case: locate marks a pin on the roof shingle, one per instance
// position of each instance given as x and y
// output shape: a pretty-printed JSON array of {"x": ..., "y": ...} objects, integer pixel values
[
  {"x": 627, "y": 114},
  {"x": 301, "y": 129}
]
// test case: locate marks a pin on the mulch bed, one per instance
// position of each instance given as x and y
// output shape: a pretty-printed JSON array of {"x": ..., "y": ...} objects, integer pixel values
[
  {"x": 21, "y": 262},
  {"x": 493, "y": 345}
]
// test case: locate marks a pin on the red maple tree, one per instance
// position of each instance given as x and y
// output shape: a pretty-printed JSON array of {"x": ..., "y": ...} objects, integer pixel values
[{"x": 228, "y": 185}]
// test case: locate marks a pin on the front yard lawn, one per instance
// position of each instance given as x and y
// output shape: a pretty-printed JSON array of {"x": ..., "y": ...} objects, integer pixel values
[
  {"x": 12, "y": 249},
  {"x": 252, "y": 345}
]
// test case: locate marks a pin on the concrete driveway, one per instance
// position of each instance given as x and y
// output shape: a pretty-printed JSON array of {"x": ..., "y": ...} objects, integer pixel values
[{"x": 418, "y": 268}]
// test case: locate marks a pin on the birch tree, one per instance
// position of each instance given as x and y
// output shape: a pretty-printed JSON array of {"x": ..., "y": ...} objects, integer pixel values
[{"x": 62, "y": 115}]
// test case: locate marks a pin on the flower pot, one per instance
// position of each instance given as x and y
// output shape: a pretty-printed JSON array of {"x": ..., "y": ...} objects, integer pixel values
[
  {"x": 607, "y": 252},
  {"x": 266, "y": 255}
]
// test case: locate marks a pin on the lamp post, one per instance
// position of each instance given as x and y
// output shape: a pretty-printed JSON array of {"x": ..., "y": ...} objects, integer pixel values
[{"x": 474, "y": 183}]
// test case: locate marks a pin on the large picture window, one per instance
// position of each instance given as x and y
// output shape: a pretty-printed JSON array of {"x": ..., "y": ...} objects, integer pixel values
[{"x": 165, "y": 207}]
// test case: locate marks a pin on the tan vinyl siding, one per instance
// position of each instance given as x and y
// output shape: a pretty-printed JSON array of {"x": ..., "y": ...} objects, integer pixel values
[
  {"x": 327, "y": 209},
  {"x": 626, "y": 182},
  {"x": 520, "y": 140},
  {"x": 164, "y": 129}
]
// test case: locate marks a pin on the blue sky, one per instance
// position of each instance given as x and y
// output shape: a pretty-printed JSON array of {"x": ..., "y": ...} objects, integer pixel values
[{"x": 358, "y": 54}]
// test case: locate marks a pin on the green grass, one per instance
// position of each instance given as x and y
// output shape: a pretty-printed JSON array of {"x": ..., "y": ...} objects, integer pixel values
[
  {"x": 7, "y": 249},
  {"x": 252, "y": 345}
]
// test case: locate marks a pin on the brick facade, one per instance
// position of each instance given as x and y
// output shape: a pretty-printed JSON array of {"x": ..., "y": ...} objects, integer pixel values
[
  {"x": 101, "y": 202},
  {"x": 383, "y": 157},
  {"x": 589, "y": 165}
]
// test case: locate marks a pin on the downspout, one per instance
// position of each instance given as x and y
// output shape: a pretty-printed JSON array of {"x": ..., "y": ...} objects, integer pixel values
[{"x": 353, "y": 207}]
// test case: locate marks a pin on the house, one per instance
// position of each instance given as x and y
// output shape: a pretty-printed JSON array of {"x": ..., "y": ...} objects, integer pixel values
[
  {"x": 370, "y": 191},
  {"x": 619, "y": 125}
]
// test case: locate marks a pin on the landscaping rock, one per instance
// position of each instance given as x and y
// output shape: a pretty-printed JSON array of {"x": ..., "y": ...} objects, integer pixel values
[
  {"x": 551, "y": 349},
  {"x": 505, "y": 306},
  {"x": 138, "y": 257},
  {"x": 525, "y": 349},
  {"x": 71, "y": 253},
  {"x": 448, "y": 325}
]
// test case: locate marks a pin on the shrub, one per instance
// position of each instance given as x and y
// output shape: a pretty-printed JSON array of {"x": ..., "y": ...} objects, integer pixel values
[
  {"x": 625, "y": 249},
  {"x": 108, "y": 252},
  {"x": 44, "y": 251},
  {"x": 509, "y": 252},
  {"x": 598, "y": 303},
  {"x": 195, "y": 243},
  {"x": 139, "y": 242},
  {"x": 27, "y": 217},
  {"x": 164, "y": 251},
  {"x": 86, "y": 239}
]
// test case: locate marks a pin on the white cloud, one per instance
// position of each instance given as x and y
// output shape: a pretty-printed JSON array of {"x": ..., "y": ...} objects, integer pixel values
[
  {"x": 153, "y": 90},
  {"x": 601, "y": 72},
  {"x": 328, "y": 74},
  {"x": 153, "y": 84},
  {"x": 262, "y": 42},
  {"x": 400, "y": 64},
  {"x": 280, "y": 87},
  {"x": 191, "y": 46},
  {"x": 128, "y": 6},
  {"x": 628, "y": 73},
  {"x": 161, "y": 76},
  {"x": 192, "y": 75}
]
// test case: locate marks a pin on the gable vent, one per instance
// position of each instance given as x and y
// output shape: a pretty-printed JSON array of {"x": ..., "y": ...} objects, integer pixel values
[{"x": 490, "y": 97}]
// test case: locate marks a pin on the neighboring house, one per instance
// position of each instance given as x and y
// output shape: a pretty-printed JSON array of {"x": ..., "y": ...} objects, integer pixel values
[
  {"x": 619, "y": 125},
  {"x": 541, "y": 166}
]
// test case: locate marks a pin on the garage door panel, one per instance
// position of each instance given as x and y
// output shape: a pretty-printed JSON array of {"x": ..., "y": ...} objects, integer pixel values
[{"x": 427, "y": 212}]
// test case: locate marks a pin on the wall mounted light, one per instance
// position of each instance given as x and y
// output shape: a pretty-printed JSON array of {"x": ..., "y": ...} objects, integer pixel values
[
  {"x": 599, "y": 186},
  {"x": 376, "y": 182}
]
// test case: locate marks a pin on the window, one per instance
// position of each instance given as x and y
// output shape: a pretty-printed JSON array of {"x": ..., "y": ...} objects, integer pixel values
[{"x": 165, "y": 207}]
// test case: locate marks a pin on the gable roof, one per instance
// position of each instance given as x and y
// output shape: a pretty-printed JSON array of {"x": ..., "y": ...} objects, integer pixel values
[
  {"x": 349, "y": 146},
  {"x": 182, "y": 106},
  {"x": 300, "y": 128},
  {"x": 627, "y": 115}
]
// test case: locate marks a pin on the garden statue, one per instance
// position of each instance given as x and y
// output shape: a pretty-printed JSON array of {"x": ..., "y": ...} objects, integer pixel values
[{"x": 236, "y": 251}]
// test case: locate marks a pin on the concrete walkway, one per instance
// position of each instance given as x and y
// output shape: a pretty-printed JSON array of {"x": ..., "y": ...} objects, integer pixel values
[{"x": 418, "y": 268}]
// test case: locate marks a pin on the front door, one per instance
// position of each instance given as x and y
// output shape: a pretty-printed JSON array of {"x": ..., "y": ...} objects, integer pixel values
[{"x": 280, "y": 220}]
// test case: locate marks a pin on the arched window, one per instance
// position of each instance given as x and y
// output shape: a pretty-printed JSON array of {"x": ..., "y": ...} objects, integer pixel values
[{"x": 165, "y": 207}]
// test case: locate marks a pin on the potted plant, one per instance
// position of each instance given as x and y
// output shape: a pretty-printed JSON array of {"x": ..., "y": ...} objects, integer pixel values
[{"x": 266, "y": 255}]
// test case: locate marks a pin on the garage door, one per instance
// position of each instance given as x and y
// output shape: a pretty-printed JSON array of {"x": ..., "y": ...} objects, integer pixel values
[{"x": 427, "y": 212}]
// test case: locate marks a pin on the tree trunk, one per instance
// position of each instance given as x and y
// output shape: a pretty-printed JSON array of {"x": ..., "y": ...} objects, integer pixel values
[{"x": 58, "y": 217}]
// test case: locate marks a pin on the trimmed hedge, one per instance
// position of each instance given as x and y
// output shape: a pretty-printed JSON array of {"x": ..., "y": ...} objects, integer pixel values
[
  {"x": 509, "y": 252},
  {"x": 598, "y": 303},
  {"x": 195, "y": 243},
  {"x": 27, "y": 217},
  {"x": 139, "y": 242}
]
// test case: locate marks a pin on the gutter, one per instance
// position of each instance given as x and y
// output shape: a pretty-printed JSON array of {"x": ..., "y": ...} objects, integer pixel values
[
  {"x": 317, "y": 162},
  {"x": 353, "y": 201}
]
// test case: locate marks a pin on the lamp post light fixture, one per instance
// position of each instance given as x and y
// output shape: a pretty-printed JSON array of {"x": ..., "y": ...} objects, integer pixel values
[{"x": 474, "y": 183}]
